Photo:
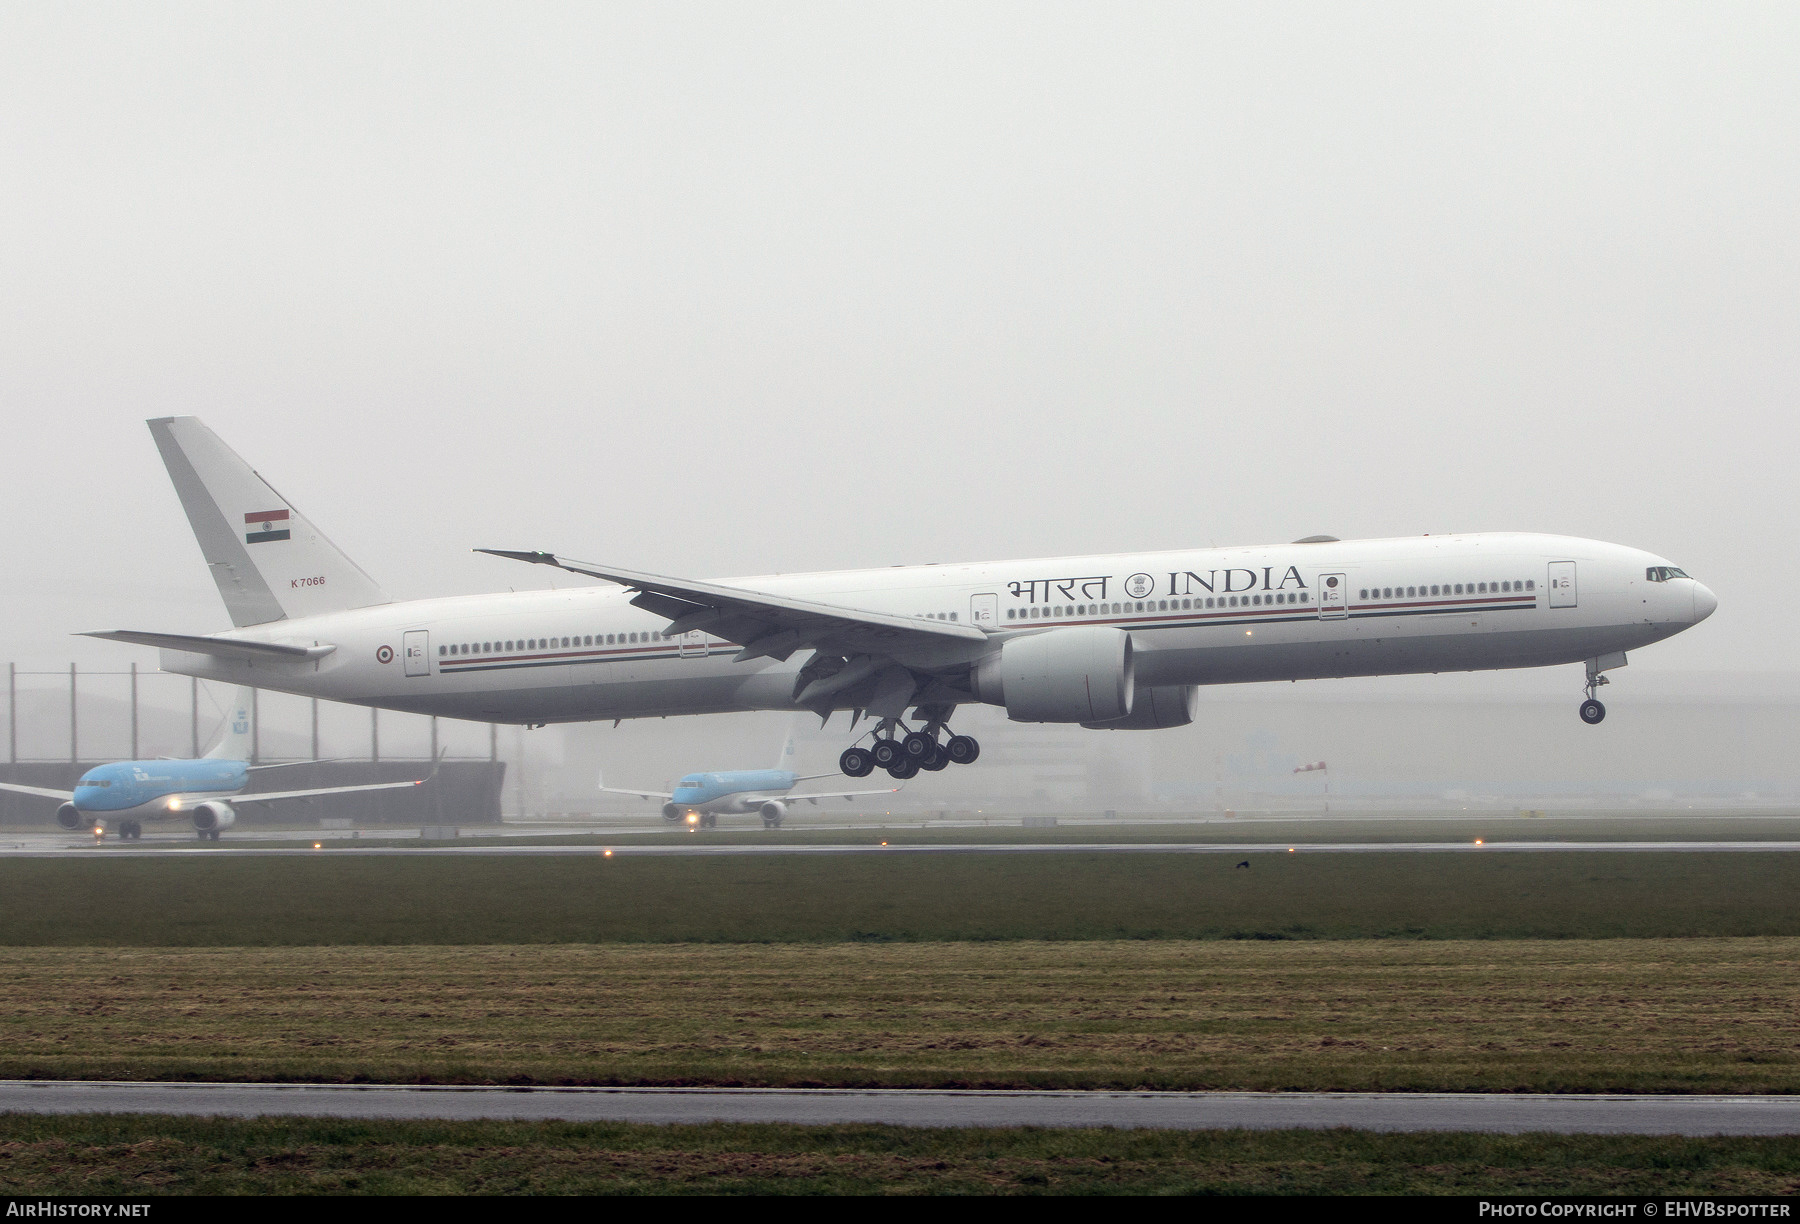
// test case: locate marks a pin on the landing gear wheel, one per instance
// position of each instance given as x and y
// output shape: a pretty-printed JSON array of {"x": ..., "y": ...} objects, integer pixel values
[
  {"x": 962, "y": 750},
  {"x": 857, "y": 762},
  {"x": 885, "y": 752},
  {"x": 903, "y": 768},
  {"x": 936, "y": 759},
  {"x": 918, "y": 745},
  {"x": 771, "y": 822},
  {"x": 709, "y": 820},
  {"x": 1592, "y": 711}
]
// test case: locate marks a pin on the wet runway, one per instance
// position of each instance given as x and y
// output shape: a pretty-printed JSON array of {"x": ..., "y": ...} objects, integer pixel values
[
  {"x": 1496, "y": 1113},
  {"x": 49, "y": 848}
]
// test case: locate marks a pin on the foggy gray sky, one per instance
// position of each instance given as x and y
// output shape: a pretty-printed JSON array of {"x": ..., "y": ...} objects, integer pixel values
[{"x": 725, "y": 289}]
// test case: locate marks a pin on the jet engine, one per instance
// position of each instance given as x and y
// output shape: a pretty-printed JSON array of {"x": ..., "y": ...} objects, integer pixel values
[
  {"x": 68, "y": 818},
  {"x": 772, "y": 812},
  {"x": 671, "y": 811},
  {"x": 1080, "y": 674},
  {"x": 213, "y": 816},
  {"x": 1155, "y": 708}
]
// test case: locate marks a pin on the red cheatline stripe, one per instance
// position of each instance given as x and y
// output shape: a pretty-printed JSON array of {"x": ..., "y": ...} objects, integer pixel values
[{"x": 266, "y": 516}]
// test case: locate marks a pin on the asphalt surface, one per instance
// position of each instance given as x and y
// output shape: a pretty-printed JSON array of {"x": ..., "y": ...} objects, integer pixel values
[
  {"x": 702, "y": 847},
  {"x": 1494, "y": 1113}
]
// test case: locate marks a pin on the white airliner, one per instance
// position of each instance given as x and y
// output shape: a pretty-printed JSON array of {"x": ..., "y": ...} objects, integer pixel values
[
  {"x": 700, "y": 799},
  {"x": 1117, "y": 642}
]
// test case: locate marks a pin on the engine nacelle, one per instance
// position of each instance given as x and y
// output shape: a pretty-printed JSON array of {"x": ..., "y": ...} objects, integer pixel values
[
  {"x": 1155, "y": 708},
  {"x": 773, "y": 811},
  {"x": 212, "y": 816},
  {"x": 1081, "y": 674},
  {"x": 672, "y": 811},
  {"x": 67, "y": 817}
]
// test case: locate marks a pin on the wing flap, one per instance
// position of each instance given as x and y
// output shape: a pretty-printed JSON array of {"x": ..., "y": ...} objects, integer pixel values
[
  {"x": 272, "y": 796},
  {"x": 39, "y": 791},
  {"x": 768, "y": 624}
]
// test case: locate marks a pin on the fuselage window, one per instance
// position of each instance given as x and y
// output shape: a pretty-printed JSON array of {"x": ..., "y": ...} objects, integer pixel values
[
  {"x": 1009, "y": 614},
  {"x": 1530, "y": 585}
]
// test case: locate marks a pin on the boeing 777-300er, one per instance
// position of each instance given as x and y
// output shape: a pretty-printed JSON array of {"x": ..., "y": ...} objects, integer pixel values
[
  {"x": 699, "y": 798},
  {"x": 202, "y": 792},
  {"x": 1116, "y": 642}
]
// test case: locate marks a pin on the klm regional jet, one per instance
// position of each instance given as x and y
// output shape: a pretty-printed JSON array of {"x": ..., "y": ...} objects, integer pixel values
[
  {"x": 699, "y": 798},
  {"x": 1116, "y": 642},
  {"x": 201, "y": 792}
]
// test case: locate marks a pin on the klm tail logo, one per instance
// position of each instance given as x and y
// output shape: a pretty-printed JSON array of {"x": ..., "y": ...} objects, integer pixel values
[{"x": 240, "y": 723}]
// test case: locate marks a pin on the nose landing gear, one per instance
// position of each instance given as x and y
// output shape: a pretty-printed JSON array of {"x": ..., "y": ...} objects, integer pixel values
[{"x": 1592, "y": 711}]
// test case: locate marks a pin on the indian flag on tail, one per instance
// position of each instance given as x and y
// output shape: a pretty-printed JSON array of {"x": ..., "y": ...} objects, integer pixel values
[{"x": 265, "y": 525}]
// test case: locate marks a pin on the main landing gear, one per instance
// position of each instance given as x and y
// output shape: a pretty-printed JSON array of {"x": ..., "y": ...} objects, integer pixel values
[
  {"x": 130, "y": 830},
  {"x": 904, "y": 753}
]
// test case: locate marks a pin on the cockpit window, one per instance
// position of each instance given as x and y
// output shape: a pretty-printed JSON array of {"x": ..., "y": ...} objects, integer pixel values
[
  {"x": 1662, "y": 573},
  {"x": 94, "y": 782}
]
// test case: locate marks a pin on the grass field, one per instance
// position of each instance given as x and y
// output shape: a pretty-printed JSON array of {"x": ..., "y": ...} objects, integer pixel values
[
  {"x": 352, "y": 899},
  {"x": 1585, "y": 1016},
  {"x": 132, "y": 1156}
]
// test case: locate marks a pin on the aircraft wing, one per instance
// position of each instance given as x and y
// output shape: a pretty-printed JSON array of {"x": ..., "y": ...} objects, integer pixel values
[
  {"x": 614, "y": 790},
  {"x": 224, "y": 648},
  {"x": 272, "y": 796},
  {"x": 768, "y": 625},
  {"x": 840, "y": 795},
  {"x": 39, "y": 791}
]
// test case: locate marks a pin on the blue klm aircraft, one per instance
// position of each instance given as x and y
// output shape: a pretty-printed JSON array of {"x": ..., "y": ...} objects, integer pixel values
[
  {"x": 699, "y": 798},
  {"x": 124, "y": 794}
]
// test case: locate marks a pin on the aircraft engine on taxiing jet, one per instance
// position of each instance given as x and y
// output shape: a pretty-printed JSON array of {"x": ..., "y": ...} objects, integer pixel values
[
  {"x": 672, "y": 811},
  {"x": 772, "y": 812},
  {"x": 1081, "y": 674},
  {"x": 213, "y": 816},
  {"x": 67, "y": 817}
]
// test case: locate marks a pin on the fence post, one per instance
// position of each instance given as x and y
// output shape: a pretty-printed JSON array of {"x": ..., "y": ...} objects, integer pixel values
[
  {"x": 434, "y": 737},
  {"x": 12, "y": 713},
  {"x": 374, "y": 734},
  {"x": 255, "y": 726},
  {"x": 73, "y": 756},
  {"x": 134, "y": 711},
  {"x": 315, "y": 728},
  {"x": 194, "y": 714}
]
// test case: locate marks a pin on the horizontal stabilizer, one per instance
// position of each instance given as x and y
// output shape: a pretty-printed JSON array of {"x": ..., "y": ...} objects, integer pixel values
[{"x": 218, "y": 647}]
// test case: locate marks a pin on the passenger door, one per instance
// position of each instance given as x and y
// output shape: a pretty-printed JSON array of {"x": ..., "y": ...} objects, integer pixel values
[
  {"x": 417, "y": 650},
  {"x": 984, "y": 611},
  {"x": 1562, "y": 584},
  {"x": 1334, "y": 597}
]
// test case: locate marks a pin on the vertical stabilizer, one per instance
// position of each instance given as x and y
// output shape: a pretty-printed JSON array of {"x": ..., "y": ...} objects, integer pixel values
[
  {"x": 789, "y": 754},
  {"x": 269, "y": 561},
  {"x": 237, "y": 735}
]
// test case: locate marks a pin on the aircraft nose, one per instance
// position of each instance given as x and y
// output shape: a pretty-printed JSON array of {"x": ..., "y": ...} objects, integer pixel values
[{"x": 1704, "y": 602}]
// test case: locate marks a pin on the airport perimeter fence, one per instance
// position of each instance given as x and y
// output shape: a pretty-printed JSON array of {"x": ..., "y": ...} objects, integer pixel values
[{"x": 61, "y": 723}]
